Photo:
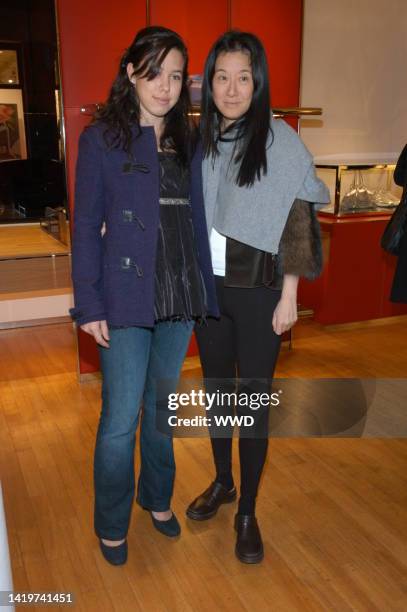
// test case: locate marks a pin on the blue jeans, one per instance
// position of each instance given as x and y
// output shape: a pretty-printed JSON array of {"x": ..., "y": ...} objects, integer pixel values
[{"x": 136, "y": 359}]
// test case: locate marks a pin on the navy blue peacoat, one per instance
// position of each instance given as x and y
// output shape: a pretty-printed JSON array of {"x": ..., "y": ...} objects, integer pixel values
[{"x": 113, "y": 275}]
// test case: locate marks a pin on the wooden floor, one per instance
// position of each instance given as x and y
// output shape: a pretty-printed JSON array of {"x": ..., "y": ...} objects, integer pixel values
[
  {"x": 27, "y": 240},
  {"x": 333, "y": 512}
]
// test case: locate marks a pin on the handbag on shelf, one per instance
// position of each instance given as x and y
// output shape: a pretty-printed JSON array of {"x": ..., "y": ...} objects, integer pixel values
[{"x": 396, "y": 227}]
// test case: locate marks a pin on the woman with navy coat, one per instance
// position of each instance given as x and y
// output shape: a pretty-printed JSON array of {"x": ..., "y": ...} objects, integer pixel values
[{"x": 141, "y": 273}]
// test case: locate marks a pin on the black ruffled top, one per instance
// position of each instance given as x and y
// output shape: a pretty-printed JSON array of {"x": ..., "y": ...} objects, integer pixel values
[{"x": 179, "y": 287}]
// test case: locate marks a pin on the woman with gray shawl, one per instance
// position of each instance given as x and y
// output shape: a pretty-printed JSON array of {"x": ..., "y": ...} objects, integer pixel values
[{"x": 261, "y": 193}]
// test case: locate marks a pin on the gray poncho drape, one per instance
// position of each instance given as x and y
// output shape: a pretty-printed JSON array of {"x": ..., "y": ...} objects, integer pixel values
[{"x": 257, "y": 215}]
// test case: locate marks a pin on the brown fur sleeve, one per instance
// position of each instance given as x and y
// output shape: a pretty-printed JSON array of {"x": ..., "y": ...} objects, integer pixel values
[{"x": 300, "y": 249}]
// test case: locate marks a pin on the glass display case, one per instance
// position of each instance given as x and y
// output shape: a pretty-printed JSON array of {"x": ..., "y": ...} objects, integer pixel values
[{"x": 359, "y": 187}]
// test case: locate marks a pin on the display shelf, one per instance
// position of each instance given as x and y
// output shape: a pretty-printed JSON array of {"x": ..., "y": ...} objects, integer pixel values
[{"x": 359, "y": 187}]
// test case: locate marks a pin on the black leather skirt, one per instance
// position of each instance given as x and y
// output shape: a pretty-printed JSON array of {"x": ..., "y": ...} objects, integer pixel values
[{"x": 248, "y": 267}]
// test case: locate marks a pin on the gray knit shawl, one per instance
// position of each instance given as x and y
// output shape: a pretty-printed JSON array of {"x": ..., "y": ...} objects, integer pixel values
[{"x": 257, "y": 215}]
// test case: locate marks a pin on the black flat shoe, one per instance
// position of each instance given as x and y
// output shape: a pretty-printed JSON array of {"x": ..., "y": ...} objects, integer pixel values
[
  {"x": 249, "y": 546},
  {"x": 206, "y": 505},
  {"x": 170, "y": 528},
  {"x": 116, "y": 555}
]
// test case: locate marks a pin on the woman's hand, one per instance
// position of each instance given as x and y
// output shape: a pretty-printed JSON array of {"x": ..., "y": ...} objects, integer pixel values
[
  {"x": 285, "y": 313},
  {"x": 99, "y": 330}
]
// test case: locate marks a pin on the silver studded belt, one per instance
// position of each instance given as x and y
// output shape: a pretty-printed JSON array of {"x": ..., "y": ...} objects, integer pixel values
[{"x": 166, "y": 201}]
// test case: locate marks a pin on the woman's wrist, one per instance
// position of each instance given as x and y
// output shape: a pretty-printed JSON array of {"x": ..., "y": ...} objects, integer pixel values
[
  {"x": 289, "y": 297},
  {"x": 290, "y": 286}
]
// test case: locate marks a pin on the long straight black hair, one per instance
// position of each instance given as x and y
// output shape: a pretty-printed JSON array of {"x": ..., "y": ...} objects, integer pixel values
[
  {"x": 122, "y": 109},
  {"x": 253, "y": 128}
]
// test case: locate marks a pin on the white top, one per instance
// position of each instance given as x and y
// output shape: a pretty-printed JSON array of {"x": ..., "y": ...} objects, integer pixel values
[{"x": 218, "y": 252}]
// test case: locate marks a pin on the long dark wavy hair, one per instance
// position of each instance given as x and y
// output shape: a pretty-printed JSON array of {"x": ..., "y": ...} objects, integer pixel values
[
  {"x": 253, "y": 128},
  {"x": 121, "y": 112}
]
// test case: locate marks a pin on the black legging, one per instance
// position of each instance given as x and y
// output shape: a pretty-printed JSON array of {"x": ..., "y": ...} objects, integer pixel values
[{"x": 241, "y": 343}]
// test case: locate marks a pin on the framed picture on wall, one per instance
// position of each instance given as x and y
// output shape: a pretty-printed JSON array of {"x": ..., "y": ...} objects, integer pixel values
[
  {"x": 12, "y": 124},
  {"x": 10, "y": 61},
  {"x": 10, "y": 143}
]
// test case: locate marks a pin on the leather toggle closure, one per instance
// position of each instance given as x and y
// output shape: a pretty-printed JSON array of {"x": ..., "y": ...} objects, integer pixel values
[
  {"x": 132, "y": 167},
  {"x": 130, "y": 217},
  {"x": 126, "y": 263}
]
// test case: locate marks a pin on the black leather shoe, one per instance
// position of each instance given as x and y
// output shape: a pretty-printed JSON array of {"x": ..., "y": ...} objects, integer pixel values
[
  {"x": 116, "y": 555},
  {"x": 206, "y": 505},
  {"x": 170, "y": 528},
  {"x": 249, "y": 546}
]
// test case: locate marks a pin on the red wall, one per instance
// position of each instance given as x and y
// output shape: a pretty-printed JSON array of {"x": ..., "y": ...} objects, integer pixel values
[
  {"x": 94, "y": 34},
  {"x": 279, "y": 26},
  {"x": 198, "y": 23}
]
